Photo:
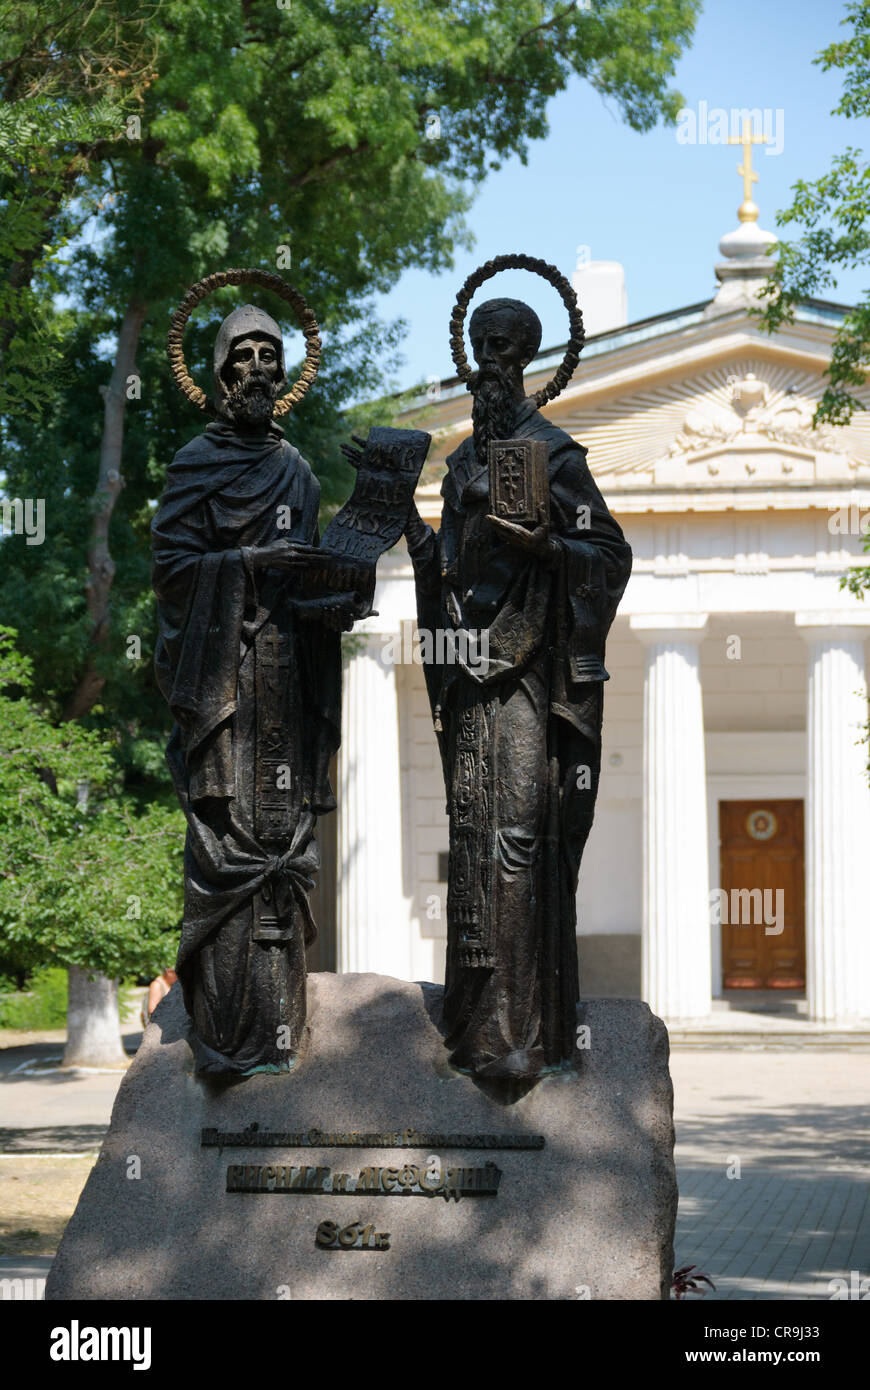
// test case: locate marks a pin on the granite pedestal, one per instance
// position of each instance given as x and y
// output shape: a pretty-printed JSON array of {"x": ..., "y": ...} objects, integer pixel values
[{"x": 565, "y": 1192}]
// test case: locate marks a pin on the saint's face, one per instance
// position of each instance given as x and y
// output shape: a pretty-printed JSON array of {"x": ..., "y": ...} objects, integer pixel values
[
  {"x": 497, "y": 346},
  {"x": 252, "y": 357}
]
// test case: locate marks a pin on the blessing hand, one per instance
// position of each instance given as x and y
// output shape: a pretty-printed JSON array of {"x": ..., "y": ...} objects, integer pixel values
[{"x": 354, "y": 456}]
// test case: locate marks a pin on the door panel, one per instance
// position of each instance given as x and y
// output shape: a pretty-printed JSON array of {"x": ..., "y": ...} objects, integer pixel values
[{"x": 762, "y": 857}]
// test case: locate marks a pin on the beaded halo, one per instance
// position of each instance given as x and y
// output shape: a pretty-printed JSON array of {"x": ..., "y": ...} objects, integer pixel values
[
  {"x": 269, "y": 281},
  {"x": 554, "y": 277}
]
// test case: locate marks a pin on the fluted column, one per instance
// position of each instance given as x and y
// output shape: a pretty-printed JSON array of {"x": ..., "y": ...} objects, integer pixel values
[
  {"x": 676, "y": 959},
  {"x": 838, "y": 818},
  {"x": 371, "y": 912}
]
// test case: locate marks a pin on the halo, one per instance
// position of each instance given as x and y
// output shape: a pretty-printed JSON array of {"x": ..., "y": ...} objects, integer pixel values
[
  {"x": 554, "y": 277},
  {"x": 269, "y": 281}
]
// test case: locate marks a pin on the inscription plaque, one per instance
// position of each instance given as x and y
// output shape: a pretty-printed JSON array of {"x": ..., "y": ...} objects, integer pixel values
[
  {"x": 410, "y": 1180},
  {"x": 252, "y": 1137}
]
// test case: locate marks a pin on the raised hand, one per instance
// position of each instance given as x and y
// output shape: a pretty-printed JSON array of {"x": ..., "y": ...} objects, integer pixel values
[{"x": 354, "y": 456}]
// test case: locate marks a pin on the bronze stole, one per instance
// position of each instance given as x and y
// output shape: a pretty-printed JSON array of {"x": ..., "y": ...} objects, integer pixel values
[
  {"x": 470, "y": 906},
  {"x": 274, "y": 777}
]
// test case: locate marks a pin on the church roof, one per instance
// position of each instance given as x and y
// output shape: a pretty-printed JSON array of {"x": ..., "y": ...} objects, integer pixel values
[
  {"x": 816, "y": 311},
  {"x": 698, "y": 408}
]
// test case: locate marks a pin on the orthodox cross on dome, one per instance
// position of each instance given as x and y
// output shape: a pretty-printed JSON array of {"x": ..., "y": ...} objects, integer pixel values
[{"x": 748, "y": 210}]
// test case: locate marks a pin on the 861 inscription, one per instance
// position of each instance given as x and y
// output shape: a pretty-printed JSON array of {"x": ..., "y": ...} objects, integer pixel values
[{"x": 355, "y": 1236}]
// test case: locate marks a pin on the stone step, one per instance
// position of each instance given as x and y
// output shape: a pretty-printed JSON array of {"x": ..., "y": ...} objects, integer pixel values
[{"x": 779, "y": 1040}]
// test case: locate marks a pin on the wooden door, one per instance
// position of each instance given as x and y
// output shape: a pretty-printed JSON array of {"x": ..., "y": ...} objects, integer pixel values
[{"x": 761, "y": 861}]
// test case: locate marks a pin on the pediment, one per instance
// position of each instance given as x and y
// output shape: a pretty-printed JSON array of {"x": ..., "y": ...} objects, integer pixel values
[
  {"x": 740, "y": 423},
  {"x": 723, "y": 465}
]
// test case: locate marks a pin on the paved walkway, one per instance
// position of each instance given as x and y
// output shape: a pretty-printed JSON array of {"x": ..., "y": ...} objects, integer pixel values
[
  {"x": 23, "y": 1277},
  {"x": 36, "y": 1096},
  {"x": 795, "y": 1127}
]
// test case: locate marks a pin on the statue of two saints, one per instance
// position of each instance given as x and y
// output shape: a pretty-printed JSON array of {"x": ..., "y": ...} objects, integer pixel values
[{"x": 249, "y": 661}]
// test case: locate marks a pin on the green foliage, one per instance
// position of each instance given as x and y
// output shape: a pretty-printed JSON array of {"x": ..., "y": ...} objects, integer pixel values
[
  {"x": 834, "y": 212},
  {"x": 41, "y": 1005},
  {"x": 97, "y": 887},
  {"x": 857, "y": 581},
  {"x": 67, "y": 81}
]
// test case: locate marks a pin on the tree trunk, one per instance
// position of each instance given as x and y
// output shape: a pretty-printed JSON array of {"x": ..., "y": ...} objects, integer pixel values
[
  {"x": 101, "y": 566},
  {"x": 92, "y": 1024},
  {"x": 93, "y": 1028}
]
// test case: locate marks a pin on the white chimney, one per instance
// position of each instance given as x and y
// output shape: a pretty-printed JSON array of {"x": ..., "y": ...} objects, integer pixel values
[{"x": 600, "y": 289}]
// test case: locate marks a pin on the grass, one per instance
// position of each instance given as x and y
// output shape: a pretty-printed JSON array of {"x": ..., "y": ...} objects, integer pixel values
[{"x": 37, "y": 1198}]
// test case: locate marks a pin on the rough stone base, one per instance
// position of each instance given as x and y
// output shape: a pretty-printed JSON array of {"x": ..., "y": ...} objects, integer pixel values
[{"x": 590, "y": 1215}]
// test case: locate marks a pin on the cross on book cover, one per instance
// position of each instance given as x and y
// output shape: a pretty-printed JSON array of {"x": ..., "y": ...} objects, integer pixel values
[{"x": 518, "y": 480}]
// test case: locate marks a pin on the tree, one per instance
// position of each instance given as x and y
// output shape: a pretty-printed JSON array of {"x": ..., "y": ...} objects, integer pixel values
[
  {"x": 67, "y": 81},
  {"x": 88, "y": 880},
  {"x": 834, "y": 212}
]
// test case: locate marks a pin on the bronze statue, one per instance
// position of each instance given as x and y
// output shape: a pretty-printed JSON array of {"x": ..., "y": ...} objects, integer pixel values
[
  {"x": 251, "y": 611},
  {"x": 520, "y": 734}
]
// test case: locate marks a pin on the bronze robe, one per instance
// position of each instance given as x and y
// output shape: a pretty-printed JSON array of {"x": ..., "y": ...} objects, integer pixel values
[
  {"x": 255, "y": 692},
  {"x": 521, "y": 746}
]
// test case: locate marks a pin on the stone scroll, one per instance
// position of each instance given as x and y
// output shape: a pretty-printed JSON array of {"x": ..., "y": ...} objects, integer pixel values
[{"x": 373, "y": 518}]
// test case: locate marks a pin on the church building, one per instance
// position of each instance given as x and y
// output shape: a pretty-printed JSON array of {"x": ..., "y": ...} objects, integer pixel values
[{"x": 733, "y": 814}]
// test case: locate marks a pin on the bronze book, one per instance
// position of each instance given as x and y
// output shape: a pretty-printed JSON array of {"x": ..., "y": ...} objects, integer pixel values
[{"x": 519, "y": 482}]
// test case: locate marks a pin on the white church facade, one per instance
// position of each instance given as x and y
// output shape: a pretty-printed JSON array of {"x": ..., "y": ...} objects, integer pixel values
[{"x": 733, "y": 816}]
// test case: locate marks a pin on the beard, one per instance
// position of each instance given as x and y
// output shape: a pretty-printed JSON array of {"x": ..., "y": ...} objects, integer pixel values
[
  {"x": 494, "y": 410},
  {"x": 250, "y": 401}
]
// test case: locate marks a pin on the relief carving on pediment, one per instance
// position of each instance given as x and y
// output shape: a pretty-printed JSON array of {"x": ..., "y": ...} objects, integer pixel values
[
  {"x": 744, "y": 422},
  {"x": 751, "y": 412}
]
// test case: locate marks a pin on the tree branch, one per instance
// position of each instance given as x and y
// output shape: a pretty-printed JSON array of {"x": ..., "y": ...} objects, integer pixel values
[
  {"x": 550, "y": 23},
  {"x": 325, "y": 164}
]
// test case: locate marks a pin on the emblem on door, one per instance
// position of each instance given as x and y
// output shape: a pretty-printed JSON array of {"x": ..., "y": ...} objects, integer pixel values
[{"x": 761, "y": 825}]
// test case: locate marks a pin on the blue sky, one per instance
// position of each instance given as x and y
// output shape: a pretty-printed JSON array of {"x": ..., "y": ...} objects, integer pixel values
[{"x": 654, "y": 204}]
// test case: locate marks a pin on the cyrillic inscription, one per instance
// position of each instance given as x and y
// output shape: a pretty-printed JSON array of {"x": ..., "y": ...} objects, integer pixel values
[
  {"x": 409, "y": 1180},
  {"x": 252, "y": 1137}
]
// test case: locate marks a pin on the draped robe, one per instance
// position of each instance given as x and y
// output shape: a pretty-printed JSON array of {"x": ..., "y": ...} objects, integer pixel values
[
  {"x": 255, "y": 692},
  {"x": 520, "y": 740}
]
